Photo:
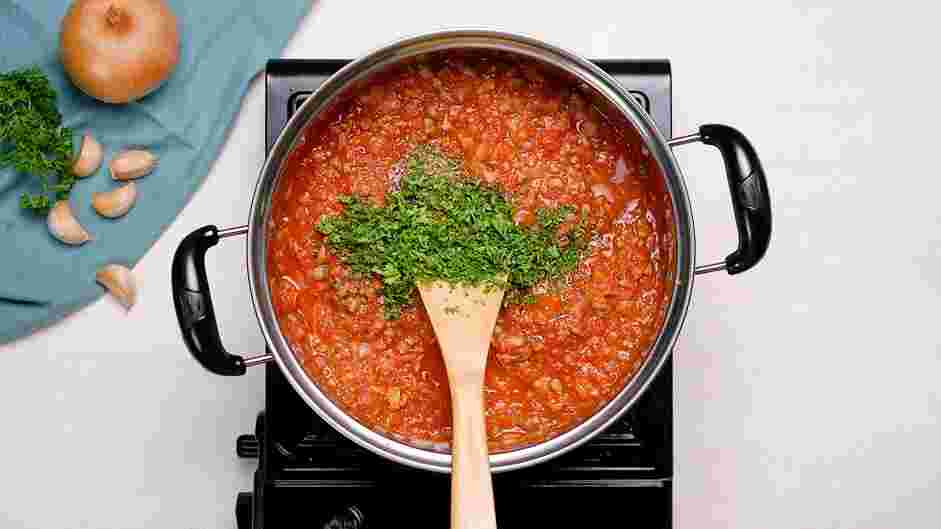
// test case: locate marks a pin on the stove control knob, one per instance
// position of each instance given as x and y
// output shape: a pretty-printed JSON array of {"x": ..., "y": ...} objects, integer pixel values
[
  {"x": 247, "y": 446},
  {"x": 349, "y": 518},
  {"x": 243, "y": 510}
]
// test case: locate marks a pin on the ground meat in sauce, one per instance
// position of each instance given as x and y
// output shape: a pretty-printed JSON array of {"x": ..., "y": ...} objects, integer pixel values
[{"x": 551, "y": 364}]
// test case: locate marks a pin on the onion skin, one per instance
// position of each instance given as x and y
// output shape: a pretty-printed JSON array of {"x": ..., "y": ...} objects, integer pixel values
[{"x": 118, "y": 51}]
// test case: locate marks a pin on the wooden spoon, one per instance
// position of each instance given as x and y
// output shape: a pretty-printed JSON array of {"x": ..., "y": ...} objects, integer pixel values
[{"x": 463, "y": 319}]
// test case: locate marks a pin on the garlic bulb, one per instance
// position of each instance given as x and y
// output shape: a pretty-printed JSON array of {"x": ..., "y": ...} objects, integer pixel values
[
  {"x": 64, "y": 226},
  {"x": 89, "y": 157},
  {"x": 132, "y": 164},
  {"x": 113, "y": 204},
  {"x": 120, "y": 282}
]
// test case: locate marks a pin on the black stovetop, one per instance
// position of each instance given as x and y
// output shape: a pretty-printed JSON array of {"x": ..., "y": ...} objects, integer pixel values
[{"x": 310, "y": 476}]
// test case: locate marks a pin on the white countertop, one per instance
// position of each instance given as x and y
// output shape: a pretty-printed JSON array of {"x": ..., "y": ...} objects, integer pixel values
[{"x": 806, "y": 389}]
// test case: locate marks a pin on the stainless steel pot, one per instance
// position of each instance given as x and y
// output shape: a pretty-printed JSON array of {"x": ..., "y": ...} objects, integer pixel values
[{"x": 751, "y": 204}]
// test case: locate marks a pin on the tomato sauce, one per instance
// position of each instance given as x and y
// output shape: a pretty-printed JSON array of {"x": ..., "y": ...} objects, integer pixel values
[{"x": 552, "y": 363}]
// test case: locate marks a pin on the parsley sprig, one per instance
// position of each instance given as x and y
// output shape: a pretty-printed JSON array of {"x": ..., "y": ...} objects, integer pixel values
[
  {"x": 441, "y": 225},
  {"x": 32, "y": 138}
]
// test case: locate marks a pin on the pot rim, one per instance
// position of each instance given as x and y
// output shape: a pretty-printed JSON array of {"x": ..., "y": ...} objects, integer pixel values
[{"x": 558, "y": 58}]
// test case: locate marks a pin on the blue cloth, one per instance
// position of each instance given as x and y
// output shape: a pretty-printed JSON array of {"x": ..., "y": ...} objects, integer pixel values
[{"x": 224, "y": 43}]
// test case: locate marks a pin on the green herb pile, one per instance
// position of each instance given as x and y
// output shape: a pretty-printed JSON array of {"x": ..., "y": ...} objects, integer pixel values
[
  {"x": 32, "y": 138},
  {"x": 441, "y": 225}
]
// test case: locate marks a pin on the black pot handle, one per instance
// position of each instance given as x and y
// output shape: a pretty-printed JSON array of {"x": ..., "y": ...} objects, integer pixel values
[
  {"x": 751, "y": 200},
  {"x": 193, "y": 303}
]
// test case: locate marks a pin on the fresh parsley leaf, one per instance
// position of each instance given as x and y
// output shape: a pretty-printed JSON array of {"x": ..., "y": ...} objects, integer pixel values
[
  {"x": 441, "y": 225},
  {"x": 32, "y": 138}
]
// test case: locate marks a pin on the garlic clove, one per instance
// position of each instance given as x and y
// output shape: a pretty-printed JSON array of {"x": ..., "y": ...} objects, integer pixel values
[
  {"x": 120, "y": 282},
  {"x": 64, "y": 226},
  {"x": 132, "y": 164},
  {"x": 89, "y": 157},
  {"x": 115, "y": 203}
]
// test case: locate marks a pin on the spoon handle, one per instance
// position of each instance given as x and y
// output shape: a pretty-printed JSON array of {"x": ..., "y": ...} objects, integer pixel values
[{"x": 471, "y": 484}]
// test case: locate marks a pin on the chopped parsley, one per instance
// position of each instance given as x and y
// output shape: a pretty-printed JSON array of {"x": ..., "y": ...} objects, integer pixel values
[
  {"x": 32, "y": 138},
  {"x": 441, "y": 225}
]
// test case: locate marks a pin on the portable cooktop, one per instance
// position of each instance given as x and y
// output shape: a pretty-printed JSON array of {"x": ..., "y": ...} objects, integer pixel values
[{"x": 310, "y": 476}]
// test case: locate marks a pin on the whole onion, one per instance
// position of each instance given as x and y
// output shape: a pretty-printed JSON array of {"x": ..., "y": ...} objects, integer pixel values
[{"x": 119, "y": 50}]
